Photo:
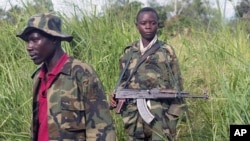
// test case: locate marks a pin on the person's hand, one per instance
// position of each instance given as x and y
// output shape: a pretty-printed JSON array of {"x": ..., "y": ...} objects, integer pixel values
[{"x": 112, "y": 100}]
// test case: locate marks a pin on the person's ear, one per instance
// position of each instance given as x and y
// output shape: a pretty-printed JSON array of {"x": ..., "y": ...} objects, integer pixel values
[{"x": 56, "y": 40}]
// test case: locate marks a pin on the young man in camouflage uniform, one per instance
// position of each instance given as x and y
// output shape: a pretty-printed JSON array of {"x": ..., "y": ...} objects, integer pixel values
[
  {"x": 159, "y": 70},
  {"x": 69, "y": 103}
]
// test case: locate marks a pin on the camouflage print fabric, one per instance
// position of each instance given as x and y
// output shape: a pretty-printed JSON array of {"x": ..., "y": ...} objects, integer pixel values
[
  {"x": 152, "y": 73},
  {"x": 46, "y": 22},
  {"x": 77, "y": 106}
]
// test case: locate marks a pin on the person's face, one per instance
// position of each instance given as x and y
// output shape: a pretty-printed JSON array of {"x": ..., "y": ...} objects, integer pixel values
[
  {"x": 147, "y": 25},
  {"x": 39, "y": 47}
]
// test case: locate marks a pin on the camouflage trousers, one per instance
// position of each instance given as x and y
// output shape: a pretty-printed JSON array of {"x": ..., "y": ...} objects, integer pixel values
[{"x": 138, "y": 130}]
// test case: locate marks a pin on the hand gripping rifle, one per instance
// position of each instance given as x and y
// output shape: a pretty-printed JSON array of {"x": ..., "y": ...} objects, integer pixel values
[{"x": 155, "y": 93}]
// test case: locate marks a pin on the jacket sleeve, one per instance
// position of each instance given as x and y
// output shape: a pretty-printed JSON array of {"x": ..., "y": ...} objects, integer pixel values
[
  {"x": 123, "y": 61},
  {"x": 99, "y": 122},
  {"x": 177, "y": 106}
]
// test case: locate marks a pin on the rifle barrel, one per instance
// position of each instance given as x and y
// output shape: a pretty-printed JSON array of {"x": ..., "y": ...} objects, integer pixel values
[{"x": 156, "y": 94}]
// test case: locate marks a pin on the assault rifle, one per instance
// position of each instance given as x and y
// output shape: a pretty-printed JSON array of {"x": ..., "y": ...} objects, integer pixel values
[{"x": 155, "y": 93}]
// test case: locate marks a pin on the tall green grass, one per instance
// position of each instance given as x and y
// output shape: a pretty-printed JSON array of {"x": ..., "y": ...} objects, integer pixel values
[
  {"x": 216, "y": 61},
  {"x": 15, "y": 98}
]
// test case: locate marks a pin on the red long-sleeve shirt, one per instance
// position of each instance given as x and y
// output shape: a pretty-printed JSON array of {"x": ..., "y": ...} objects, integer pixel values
[{"x": 44, "y": 86}]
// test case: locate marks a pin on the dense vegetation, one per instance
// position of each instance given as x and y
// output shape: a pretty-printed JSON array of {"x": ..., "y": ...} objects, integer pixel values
[{"x": 214, "y": 59}]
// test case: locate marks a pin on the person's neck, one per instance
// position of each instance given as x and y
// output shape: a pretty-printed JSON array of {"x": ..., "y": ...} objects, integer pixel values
[
  {"x": 50, "y": 64},
  {"x": 145, "y": 42}
]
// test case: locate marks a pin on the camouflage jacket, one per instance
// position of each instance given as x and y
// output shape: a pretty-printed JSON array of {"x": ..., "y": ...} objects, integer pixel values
[
  {"x": 159, "y": 70},
  {"x": 77, "y": 106}
]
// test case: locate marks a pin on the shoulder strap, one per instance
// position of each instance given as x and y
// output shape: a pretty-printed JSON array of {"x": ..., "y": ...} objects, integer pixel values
[
  {"x": 142, "y": 58},
  {"x": 123, "y": 71}
]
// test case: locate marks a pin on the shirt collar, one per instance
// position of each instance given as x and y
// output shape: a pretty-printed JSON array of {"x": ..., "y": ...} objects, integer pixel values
[
  {"x": 57, "y": 68},
  {"x": 143, "y": 49}
]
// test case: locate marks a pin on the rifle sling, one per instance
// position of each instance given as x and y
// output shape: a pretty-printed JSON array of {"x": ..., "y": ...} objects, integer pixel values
[
  {"x": 142, "y": 58},
  {"x": 123, "y": 71}
]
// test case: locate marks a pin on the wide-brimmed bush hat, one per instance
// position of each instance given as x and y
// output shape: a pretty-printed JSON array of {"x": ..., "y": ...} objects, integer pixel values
[{"x": 46, "y": 22}]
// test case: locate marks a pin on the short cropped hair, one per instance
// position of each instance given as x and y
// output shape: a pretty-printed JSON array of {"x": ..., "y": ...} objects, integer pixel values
[{"x": 147, "y": 9}]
